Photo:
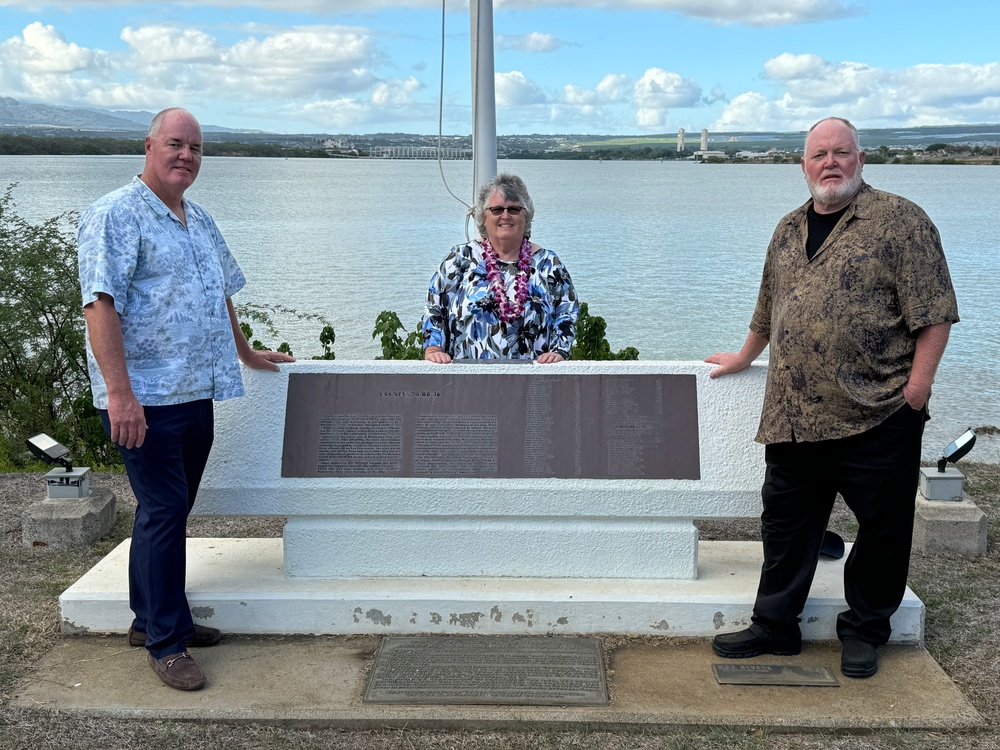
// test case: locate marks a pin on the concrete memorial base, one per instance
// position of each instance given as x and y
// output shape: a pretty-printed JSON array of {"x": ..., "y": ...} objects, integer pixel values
[
  {"x": 240, "y": 586},
  {"x": 491, "y": 547}
]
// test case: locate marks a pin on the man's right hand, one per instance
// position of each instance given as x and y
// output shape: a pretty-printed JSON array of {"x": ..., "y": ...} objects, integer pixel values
[
  {"x": 729, "y": 362},
  {"x": 128, "y": 421}
]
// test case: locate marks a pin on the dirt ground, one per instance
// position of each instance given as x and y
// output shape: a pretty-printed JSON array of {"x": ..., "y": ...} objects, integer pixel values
[{"x": 963, "y": 635}]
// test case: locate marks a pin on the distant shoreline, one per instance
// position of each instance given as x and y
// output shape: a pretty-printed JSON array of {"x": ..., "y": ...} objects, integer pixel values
[{"x": 315, "y": 148}]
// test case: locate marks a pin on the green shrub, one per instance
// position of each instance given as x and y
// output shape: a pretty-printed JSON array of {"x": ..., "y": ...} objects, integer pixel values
[
  {"x": 591, "y": 343},
  {"x": 44, "y": 384},
  {"x": 394, "y": 346}
]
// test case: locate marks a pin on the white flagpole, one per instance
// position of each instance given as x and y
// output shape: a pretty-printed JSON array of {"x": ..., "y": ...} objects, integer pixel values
[{"x": 484, "y": 107}]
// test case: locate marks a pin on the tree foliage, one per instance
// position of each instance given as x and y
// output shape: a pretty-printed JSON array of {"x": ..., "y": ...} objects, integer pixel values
[
  {"x": 82, "y": 146},
  {"x": 265, "y": 314},
  {"x": 32, "y": 145},
  {"x": 44, "y": 384},
  {"x": 394, "y": 346},
  {"x": 591, "y": 343}
]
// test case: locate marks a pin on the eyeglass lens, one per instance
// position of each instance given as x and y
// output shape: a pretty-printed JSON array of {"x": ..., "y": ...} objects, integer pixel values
[{"x": 498, "y": 210}]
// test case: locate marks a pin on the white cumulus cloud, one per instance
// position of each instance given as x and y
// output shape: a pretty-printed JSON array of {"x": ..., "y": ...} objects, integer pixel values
[
  {"x": 533, "y": 42},
  {"x": 165, "y": 44},
  {"x": 41, "y": 50},
  {"x": 788, "y": 67},
  {"x": 808, "y": 88},
  {"x": 723, "y": 12},
  {"x": 41, "y": 64},
  {"x": 514, "y": 89},
  {"x": 610, "y": 89},
  {"x": 324, "y": 73},
  {"x": 659, "y": 91}
]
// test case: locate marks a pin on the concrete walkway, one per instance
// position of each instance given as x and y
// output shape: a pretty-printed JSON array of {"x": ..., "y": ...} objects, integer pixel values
[{"x": 319, "y": 681}]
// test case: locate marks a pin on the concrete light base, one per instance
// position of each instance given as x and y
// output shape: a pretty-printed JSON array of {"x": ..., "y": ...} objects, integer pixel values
[
  {"x": 239, "y": 585},
  {"x": 69, "y": 522},
  {"x": 941, "y": 485},
  {"x": 956, "y": 526}
]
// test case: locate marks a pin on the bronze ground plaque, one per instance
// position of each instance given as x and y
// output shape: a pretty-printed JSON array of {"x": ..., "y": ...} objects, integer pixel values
[
  {"x": 497, "y": 670},
  {"x": 772, "y": 674}
]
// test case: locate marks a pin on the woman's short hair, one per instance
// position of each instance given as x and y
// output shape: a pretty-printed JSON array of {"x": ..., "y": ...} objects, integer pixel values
[{"x": 512, "y": 188}]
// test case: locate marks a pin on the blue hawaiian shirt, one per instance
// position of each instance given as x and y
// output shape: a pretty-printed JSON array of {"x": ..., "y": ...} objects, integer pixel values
[
  {"x": 461, "y": 315},
  {"x": 169, "y": 283}
]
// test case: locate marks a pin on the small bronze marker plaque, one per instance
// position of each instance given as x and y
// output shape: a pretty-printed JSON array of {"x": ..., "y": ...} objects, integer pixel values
[
  {"x": 497, "y": 670},
  {"x": 773, "y": 674}
]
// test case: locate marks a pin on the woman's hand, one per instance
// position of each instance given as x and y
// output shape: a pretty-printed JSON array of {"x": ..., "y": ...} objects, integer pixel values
[
  {"x": 547, "y": 358},
  {"x": 436, "y": 354}
]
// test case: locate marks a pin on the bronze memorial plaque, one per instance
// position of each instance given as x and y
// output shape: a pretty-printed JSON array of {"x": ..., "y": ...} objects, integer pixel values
[
  {"x": 484, "y": 425},
  {"x": 497, "y": 670},
  {"x": 772, "y": 674}
]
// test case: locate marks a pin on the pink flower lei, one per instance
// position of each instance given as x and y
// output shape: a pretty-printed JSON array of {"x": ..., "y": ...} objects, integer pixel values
[{"x": 508, "y": 310}]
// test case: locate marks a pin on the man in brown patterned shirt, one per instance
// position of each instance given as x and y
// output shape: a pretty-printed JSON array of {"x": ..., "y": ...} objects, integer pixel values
[{"x": 856, "y": 304}]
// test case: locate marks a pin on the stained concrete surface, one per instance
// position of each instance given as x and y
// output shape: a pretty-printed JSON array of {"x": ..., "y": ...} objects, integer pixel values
[{"x": 319, "y": 681}]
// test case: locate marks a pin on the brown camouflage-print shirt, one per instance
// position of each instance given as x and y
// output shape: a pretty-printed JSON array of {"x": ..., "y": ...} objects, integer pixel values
[{"x": 842, "y": 327}]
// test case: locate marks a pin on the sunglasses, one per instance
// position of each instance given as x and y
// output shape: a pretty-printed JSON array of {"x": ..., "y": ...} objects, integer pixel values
[{"x": 498, "y": 210}]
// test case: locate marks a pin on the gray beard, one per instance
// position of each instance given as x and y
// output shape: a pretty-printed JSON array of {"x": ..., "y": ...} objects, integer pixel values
[{"x": 833, "y": 195}]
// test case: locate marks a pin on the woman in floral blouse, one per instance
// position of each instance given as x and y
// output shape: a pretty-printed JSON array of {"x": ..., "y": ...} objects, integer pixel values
[{"x": 502, "y": 296}]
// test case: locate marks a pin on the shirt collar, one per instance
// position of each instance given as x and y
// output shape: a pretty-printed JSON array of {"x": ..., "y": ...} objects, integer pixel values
[{"x": 153, "y": 199}]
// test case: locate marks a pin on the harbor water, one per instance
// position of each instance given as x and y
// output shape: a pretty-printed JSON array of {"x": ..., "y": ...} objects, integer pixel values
[{"x": 669, "y": 254}]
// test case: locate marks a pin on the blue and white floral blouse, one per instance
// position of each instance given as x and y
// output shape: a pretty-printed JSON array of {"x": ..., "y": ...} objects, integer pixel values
[
  {"x": 462, "y": 318},
  {"x": 169, "y": 285}
]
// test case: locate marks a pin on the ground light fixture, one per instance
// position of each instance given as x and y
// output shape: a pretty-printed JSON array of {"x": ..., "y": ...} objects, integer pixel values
[
  {"x": 65, "y": 482},
  {"x": 49, "y": 450},
  {"x": 956, "y": 449}
]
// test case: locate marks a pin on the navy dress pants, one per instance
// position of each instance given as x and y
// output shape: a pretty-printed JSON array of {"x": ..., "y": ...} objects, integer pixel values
[
  {"x": 165, "y": 473},
  {"x": 876, "y": 472}
]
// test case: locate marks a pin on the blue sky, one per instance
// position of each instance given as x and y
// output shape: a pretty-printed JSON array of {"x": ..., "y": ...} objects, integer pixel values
[{"x": 562, "y": 66}]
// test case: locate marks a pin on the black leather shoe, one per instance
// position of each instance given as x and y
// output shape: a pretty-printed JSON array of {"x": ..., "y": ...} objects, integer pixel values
[
  {"x": 753, "y": 641},
  {"x": 859, "y": 659}
]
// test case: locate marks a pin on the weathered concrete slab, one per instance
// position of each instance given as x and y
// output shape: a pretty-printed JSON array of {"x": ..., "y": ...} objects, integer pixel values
[
  {"x": 239, "y": 585},
  {"x": 319, "y": 681}
]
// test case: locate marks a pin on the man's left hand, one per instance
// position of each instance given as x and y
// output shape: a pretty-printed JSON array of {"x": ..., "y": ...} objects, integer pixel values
[
  {"x": 916, "y": 396},
  {"x": 264, "y": 359}
]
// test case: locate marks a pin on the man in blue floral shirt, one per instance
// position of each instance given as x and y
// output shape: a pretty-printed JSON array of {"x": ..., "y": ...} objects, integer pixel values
[{"x": 162, "y": 344}]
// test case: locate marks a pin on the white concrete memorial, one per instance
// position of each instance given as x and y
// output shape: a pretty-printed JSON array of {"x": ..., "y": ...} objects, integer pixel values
[{"x": 502, "y": 498}]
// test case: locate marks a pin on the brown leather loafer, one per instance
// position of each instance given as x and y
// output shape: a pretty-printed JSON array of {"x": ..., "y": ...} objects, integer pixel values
[
  {"x": 203, "y": 636},
  {"x": 178, "y": 671}
]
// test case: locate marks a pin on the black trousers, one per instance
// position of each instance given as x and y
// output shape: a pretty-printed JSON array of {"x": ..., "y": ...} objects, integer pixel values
[{"x": 877, "y": 473}]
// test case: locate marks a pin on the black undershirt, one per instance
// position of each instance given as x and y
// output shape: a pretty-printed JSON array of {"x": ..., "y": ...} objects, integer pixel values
[{"x": 820, "y": 226}]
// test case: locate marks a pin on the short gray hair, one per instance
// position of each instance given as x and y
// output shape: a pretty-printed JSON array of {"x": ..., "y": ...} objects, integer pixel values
[
  {"x": 154, "y": 124},
  {"x": 512, "y": 188},
  {"x": 848, "y": 123}
]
